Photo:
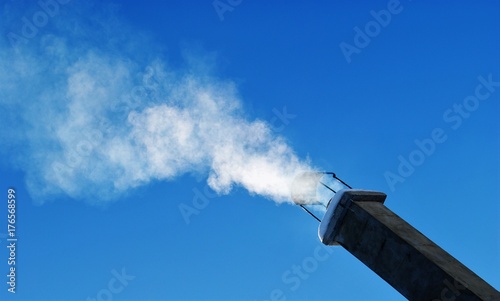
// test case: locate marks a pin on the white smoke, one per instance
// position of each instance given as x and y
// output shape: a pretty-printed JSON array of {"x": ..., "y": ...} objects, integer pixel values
[{"x": 93, "y": 123}]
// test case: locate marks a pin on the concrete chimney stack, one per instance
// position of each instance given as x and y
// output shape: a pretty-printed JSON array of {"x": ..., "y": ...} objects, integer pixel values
[{"x": 411, "y": 263}]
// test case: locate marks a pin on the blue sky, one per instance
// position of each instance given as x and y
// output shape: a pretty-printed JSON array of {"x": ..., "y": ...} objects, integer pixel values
[{"x": 149, "y": 145}]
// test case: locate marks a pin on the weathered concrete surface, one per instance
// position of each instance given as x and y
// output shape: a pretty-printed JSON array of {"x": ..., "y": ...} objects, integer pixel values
[{"x": 410, "y": 262}]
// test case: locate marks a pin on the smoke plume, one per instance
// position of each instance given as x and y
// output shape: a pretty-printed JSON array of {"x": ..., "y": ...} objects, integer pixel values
[{"x": 89, "y": 115}]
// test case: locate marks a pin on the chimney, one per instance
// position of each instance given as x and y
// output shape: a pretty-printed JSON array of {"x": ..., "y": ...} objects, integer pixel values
[{"x": 415, "y": 266}]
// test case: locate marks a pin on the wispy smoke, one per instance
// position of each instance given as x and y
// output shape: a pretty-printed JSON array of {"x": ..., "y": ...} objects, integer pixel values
[{"x": 92, "y": 121}]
